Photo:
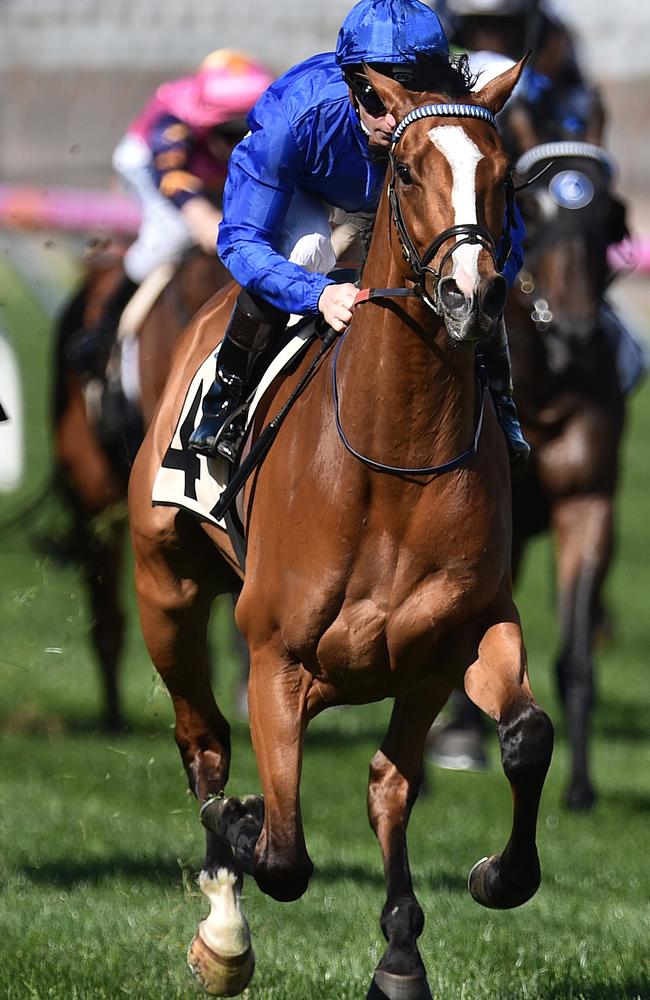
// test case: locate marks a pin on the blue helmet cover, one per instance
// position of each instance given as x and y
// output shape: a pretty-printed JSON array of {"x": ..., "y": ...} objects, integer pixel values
[{"x": 389, "y": 31}]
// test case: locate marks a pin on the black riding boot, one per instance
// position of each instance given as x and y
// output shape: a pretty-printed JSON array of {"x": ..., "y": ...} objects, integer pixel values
[
  {"x": 248, "y": 332},
  {"x": 496, "y": 358},
  {"x": 88, "y": 349}
]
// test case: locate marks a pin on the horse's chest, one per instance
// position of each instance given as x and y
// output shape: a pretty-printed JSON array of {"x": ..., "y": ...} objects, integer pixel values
[{"x": 388, "y": 639}]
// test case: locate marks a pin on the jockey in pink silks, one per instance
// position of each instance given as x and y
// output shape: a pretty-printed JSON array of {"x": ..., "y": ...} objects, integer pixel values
[{"x": 173, "y": 157}]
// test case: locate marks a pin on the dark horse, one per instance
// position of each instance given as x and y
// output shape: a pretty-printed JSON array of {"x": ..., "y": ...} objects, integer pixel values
[
  {"x": 571, "y": 406},
  {"x": 93, "y": 467},
  {"x": 399, "y": 588}
]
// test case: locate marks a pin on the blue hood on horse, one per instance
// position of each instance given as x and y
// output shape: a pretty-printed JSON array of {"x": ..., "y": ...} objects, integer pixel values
[{"x": 389, "y": 31}]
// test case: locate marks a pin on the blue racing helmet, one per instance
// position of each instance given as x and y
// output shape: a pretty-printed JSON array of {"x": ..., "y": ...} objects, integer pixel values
[{"x": 390, "y": 32}]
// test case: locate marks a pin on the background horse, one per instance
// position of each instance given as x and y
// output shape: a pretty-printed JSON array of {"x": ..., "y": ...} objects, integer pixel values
[
  {"x": 93, "y": 467},
  {"x": 399, "y": 586},
  {"x": 572, "y": 409}
]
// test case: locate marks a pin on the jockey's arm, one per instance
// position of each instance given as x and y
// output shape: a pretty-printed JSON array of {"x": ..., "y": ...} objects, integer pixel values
[
  {"x": 263, "y": 174},
  {"x": 203, "y": 220},
  {"x": 171, "y": 142}
]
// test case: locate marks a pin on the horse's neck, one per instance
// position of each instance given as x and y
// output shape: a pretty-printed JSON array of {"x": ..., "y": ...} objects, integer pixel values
[{"x": 406, "y": 391}]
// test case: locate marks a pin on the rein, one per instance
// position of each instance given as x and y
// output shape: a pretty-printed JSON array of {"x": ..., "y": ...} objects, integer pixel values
[{"x": 366, "y": 295}]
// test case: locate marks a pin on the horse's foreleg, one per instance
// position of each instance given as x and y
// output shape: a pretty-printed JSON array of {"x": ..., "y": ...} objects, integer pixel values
[
  {"x": 277, "y": 702},
  {"x": 395, "y": 778},
  {"x": 175, "y": 591},
  {"x": 584, "y": 531},
  {"x": 498, "y": 683}
]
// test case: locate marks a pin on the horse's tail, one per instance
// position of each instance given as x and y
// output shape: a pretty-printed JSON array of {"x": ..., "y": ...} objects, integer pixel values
[
  {"x": 69, "y": 321},
  {"x": 52, "y": 523}
]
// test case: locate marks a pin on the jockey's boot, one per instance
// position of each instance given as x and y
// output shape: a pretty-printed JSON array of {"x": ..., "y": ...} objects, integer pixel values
[
  {"x": 88, "y": 349},
  {"x": 249, "y": 329},
  {"x": 495, "y": 356}
]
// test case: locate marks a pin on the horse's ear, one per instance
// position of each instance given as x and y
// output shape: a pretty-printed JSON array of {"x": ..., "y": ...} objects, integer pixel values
[
  {"x": 495, "y": 93},
  {"x": 392, "y": 93}
]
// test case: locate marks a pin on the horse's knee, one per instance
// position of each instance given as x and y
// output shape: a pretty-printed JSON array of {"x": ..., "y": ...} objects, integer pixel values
[
  {"x": 526, "y": 738},
  {"x": 282, "y": 875}
]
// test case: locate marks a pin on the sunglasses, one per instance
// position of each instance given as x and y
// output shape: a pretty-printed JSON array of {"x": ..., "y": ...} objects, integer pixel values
[{"x": 367, "y": 97}]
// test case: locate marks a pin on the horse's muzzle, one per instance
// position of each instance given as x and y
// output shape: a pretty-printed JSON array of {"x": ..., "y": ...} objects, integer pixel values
[{"x": 472, "y": 319}]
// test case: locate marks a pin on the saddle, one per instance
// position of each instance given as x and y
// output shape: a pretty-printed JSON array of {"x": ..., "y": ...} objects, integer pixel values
[{"x": 197, "y": 484}]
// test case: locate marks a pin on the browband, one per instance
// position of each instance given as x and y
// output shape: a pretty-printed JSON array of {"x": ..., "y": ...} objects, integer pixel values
[
  {"x": 555, "y": 150},
  {"x": 443, "y": 111}
]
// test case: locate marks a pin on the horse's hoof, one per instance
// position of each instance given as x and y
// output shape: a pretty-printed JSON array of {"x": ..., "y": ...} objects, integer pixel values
[
  {"x": 580, "y": 798},
  {"x": 388, "y": 986},
  {"x": 487, "y": 887},
  {"x": 220, "y": 975},
  {"x": 238, "y": 822}
]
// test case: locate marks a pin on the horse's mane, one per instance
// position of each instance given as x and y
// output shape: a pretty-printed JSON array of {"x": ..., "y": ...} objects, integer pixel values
[{"x": 447, "y": 75}]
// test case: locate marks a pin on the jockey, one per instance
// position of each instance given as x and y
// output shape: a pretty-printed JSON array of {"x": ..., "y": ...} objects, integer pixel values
[
  {"x": 173, "y": 158},
  {"x": 319, "y": 138},
  {"x": 553, "y": 82}
]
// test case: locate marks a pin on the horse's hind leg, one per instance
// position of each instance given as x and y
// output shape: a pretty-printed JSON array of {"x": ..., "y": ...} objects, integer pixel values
[
  {"x": 584, "y": 530},
  {"x": 395, "y": 776},
  {"x": 177, "y": 575},
  {"x": 498, "y": 683},
  {"x": 102, "y": 569}
]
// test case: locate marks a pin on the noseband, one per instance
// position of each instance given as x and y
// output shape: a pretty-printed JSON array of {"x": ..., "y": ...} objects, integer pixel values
[{"x": 470, "y": 233}]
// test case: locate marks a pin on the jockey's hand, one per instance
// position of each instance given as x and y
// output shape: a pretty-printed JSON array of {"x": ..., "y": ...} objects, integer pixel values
[
  {"x": 203, "y": 220},
  {"x": 335, "y": 303}
]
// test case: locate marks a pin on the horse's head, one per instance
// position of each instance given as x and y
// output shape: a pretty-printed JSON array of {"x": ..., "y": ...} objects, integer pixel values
[
  {"x": 572, "y": 216},
  {"x": 447, "y": 187}
]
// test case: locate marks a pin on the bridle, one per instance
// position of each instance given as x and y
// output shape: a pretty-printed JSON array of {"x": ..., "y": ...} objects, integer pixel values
[
  {"x": 470, "y": 233},
  {"x": 540, "y": 312}
]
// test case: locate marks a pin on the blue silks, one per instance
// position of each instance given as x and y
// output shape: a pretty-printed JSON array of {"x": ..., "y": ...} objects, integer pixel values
[
  {"x": 389, "y": 31},
  {"x": 305, "y": 137}
]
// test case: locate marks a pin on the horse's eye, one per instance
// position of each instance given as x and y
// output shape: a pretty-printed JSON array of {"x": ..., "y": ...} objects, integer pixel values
[{"x": 404, "y": 173}]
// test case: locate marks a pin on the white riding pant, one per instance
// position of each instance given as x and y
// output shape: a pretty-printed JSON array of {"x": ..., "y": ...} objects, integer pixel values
[
  {"x": 306, "y": 235},
  {"x": 164, "y": 234}
]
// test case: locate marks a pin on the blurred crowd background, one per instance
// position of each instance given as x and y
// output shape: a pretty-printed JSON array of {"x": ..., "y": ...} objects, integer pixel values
[{"x": 73, "y": 72}]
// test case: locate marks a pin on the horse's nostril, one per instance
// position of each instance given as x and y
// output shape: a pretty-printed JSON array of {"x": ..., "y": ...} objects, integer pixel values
[
  {"x": 453, "y": 300},
  {"x": 493, "y": 298}
]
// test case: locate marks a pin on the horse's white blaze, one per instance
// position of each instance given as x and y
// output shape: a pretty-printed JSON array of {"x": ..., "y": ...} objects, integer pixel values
[
  {"x": 224, "y": 930},
  {"x": 463, "y": 157}
]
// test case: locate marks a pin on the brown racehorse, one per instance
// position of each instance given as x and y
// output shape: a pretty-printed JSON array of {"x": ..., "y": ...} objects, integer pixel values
[
  {"x": 571, "y": 407},
  {"x": 399, "y": 587},
  {"x": 94, "y": 473}
]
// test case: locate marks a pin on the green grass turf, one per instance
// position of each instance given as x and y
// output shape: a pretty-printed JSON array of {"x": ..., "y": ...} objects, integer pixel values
[{"x": 100, "y": 844}]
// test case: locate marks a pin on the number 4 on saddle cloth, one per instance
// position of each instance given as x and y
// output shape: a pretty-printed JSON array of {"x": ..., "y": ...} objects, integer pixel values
[{"x": 195, "y": 483}]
